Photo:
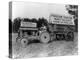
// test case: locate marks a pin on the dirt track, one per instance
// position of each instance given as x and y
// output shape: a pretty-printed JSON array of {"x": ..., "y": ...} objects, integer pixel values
[{"x": 55, "y": 48}]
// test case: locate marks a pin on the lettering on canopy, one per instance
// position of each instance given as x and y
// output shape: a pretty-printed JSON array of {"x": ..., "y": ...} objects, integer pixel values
[
  {"x": 28, "y": 24},
  {"x": 57, "y": 19}
]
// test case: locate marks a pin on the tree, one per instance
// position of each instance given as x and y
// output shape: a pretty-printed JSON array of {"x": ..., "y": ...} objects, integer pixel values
[
  {"x": 41, "y": 22},
  {"x": 34, "y": 20},
  {"x": 16, "y": 24},
  {"x": 26, "y": 19},
  {"x": 73, "y": 10}
]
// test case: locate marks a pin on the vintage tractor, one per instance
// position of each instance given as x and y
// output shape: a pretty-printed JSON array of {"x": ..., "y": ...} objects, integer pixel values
[
  {"x": 57, "y": 28},
  {"x": 28, "y": 32}
]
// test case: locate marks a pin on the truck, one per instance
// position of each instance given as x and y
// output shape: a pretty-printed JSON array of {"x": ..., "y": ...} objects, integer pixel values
[
  {"x": 59, "y": 27},
  {"x": 62, "y": 27}
]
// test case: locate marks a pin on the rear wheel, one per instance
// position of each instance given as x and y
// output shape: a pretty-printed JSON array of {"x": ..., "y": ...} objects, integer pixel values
[
  {"x": 70, "y": 36},
  {"x": 44, "y": 37}
]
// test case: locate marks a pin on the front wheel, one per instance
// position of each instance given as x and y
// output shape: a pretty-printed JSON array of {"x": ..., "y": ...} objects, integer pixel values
[{"x": 24, "y": 42}]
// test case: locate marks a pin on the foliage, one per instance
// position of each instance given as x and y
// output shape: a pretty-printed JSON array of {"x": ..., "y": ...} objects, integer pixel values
[
  {"x": 73, "y": 10},
  {"x": 40, "y": 22},
  {"x": 16, "y": 24}
]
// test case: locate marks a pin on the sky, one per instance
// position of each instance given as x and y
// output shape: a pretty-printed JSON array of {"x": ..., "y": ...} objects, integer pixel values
[{"x": 36, "y": 10}]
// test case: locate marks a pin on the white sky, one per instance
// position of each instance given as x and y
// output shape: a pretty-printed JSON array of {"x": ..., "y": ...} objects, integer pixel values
[{"x": 36, "y": 10}]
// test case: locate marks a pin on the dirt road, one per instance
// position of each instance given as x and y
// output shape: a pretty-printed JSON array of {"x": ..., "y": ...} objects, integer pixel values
[{"x": 55, "y": 48}]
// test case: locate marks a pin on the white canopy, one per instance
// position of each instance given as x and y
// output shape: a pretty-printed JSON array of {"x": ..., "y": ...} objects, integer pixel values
[{"x": 61, "y": 19}]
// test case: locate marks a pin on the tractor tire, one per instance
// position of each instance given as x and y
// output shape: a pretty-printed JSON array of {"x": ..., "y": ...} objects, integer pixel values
[
  {"x": 70, "y": 36},
  {"x": 44, "y": 37},
  {"x": 24, "y": 42}
]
